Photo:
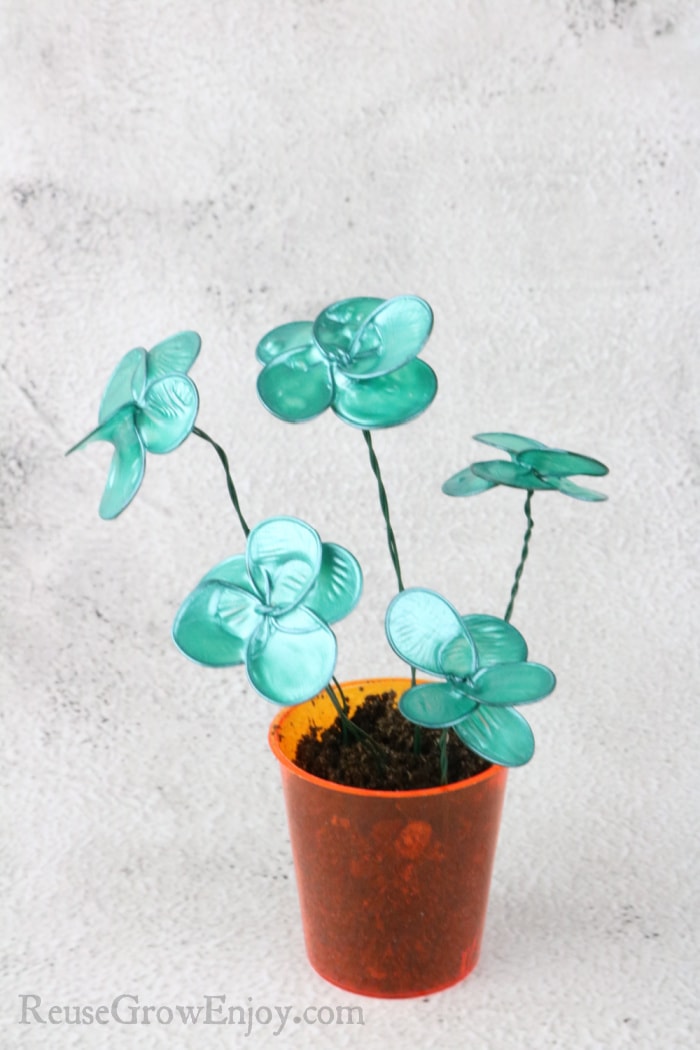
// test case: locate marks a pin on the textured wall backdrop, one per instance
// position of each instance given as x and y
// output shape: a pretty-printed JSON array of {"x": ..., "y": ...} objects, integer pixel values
[{"x": 531, "y": 168}]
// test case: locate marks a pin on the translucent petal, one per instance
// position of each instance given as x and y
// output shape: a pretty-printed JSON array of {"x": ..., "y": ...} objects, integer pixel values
[
  {"x": 496, "y": 641},
  {"x": 284, "y": 559},
  {"x": 339, "y": 585},
  {"x": 466, "y": 483},
  {"x": 513, "y": 443},
  {"x": 506, "y": 684},
  {"x": 128, "y": 462},
  {"x": 435, "y": 705},
  {"x": 297, "y": 335},
  {"x": 385, "y": 401},
  {"x": 235, "y": 571},
  {"x": 390, "y": 337},
  {"x": 176, "y": 354},
  {"x": 422, "y": 627},
  {"x": 335, "y": 327},
  {"x": 126, "y": 384},
  {"x": 507, "y": 472},
  {"x": 214, "y": 624},
  {"x": 554, "y": 463},
  {"x": 168, "y": 412},
  {"x": 499, "y": 734},
  {"x": 290, "y": 666},
  {"x": 570, "y": 488},
  {"x": 297, "y": 385}
]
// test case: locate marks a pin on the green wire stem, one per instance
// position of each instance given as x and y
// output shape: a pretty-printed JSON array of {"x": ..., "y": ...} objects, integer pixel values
[
  {"x": 384, "y": 504},
  {"x": 229, "y": 480},
  {"x": 349, "y": 726},
  {"x": 444, "y": 733},
  {"x": 523, "y": 556}
]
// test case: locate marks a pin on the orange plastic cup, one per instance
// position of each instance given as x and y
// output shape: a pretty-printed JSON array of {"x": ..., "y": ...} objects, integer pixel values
[{"x": 393, "y": 885}]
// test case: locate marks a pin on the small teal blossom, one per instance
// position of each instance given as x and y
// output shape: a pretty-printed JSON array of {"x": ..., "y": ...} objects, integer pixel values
[
  {"x": 270, "y": 608},
  {"x": 150, "y": 405},
  {"x": 532, "y": 466},
  {"x": 359, "y": 358},
  {"x": 484, "y": 663}
]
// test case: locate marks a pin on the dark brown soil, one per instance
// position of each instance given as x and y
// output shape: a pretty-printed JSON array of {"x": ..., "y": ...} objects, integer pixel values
[{"x": 397, "y": 767}]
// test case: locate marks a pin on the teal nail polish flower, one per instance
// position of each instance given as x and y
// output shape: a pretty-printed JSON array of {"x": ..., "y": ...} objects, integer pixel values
[
  {"x": 484, "y": 663},
  {"x": 532, "y": 466},
  {"x": 270, "y": 608},
  {"x": 359, "y": 358},
  {"x": 150, "y": 405}
]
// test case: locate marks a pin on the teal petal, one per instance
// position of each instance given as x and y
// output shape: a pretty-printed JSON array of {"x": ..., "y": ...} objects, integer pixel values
[
  {"x": 126, "y": 385},
  {"x": 128, "y": 462},
  {"x": 436, "y": 705},
  {"x": 292, "y": 658},
  {"x": 554, "y": 463},
  {"x": 570, "y": 488},
  {"x": 339, "y": 585},
  {"x": 427, "y": 632},
  {"x": 176, "y": 354},
  {"x": 393, "y": 334},
  {"x": 466, "y": 483},
  {"x": 507, "y": 472},
  {"x": 335, "y": 327},
  {"x": 498, "y": 734},
  {"x": 496, "y": 641},
  {"x": 297, "y": 385},
  {"x": 215, "y": 622},
  {"x": 167, "y": 413},
  {"x": 513, "y": 443},
  {"x": 284, "y": 559},
  {"x": 385, "y": 401},
  {"x": 508, "y": 684},
  {"x": 234, "y": 571},
  {"x": 297, "y": 335}
]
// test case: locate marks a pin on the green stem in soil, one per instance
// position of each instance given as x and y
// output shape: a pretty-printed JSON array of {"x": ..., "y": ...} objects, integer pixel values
[
  {"x": 444, "y": 733},
  {"x": 229, "y": 480},
  {"x": 349, "y": 726},
  {"x": 523, "y": 556},
  {"x": 384, "y": 504}
]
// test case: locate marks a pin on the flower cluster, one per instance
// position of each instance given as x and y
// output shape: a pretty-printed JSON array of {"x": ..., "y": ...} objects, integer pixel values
[{"x": 270, "y": 608}]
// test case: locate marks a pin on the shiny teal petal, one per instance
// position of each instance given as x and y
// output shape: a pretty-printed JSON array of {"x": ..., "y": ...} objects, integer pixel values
[
  {"x": 234, "y": 571},
  {"x": 176, "y": 354},
  {"x": 297, "y": 335},
  {"x": 385, "y": 401},
  {"x": 283, "y": 556},
  {"x": 496, "y": 641},
  {"x": 555, "y": 463},
  {"x": 393, "y": 334},
  {"x": 297, "y": 385},
  {"x": 167, "y": 413},
  {"x": 436, "y": 705},
  {"x": 427, "y": 632},
  {"x": 339, "y": 585},
  {"x": 335, "y": 327},
  {"x": 292, "y": 658},
  {"x": 128, "y": 463},
  {"x": 507, "y": 472},
  {"x": 126, "y": 385},
  {"x": 499, "y": 734},
  {"x": 570, "y": 488},
  {"x": 513, "y": 443},
  {"x": 215, "y": 622},
  {"x": 466, "y": 483},
  {"x": 508, "y": 684}
]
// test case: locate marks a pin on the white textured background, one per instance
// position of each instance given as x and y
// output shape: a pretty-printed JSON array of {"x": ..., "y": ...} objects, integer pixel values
[{"x": 531, "y": 168}]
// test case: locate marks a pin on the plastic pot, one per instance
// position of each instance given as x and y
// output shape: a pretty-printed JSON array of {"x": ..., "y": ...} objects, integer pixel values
[{"x": 393, "y": 885}]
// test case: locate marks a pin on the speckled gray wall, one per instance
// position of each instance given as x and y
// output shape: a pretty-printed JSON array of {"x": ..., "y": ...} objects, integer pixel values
[{"x": 532, "y": 170}]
